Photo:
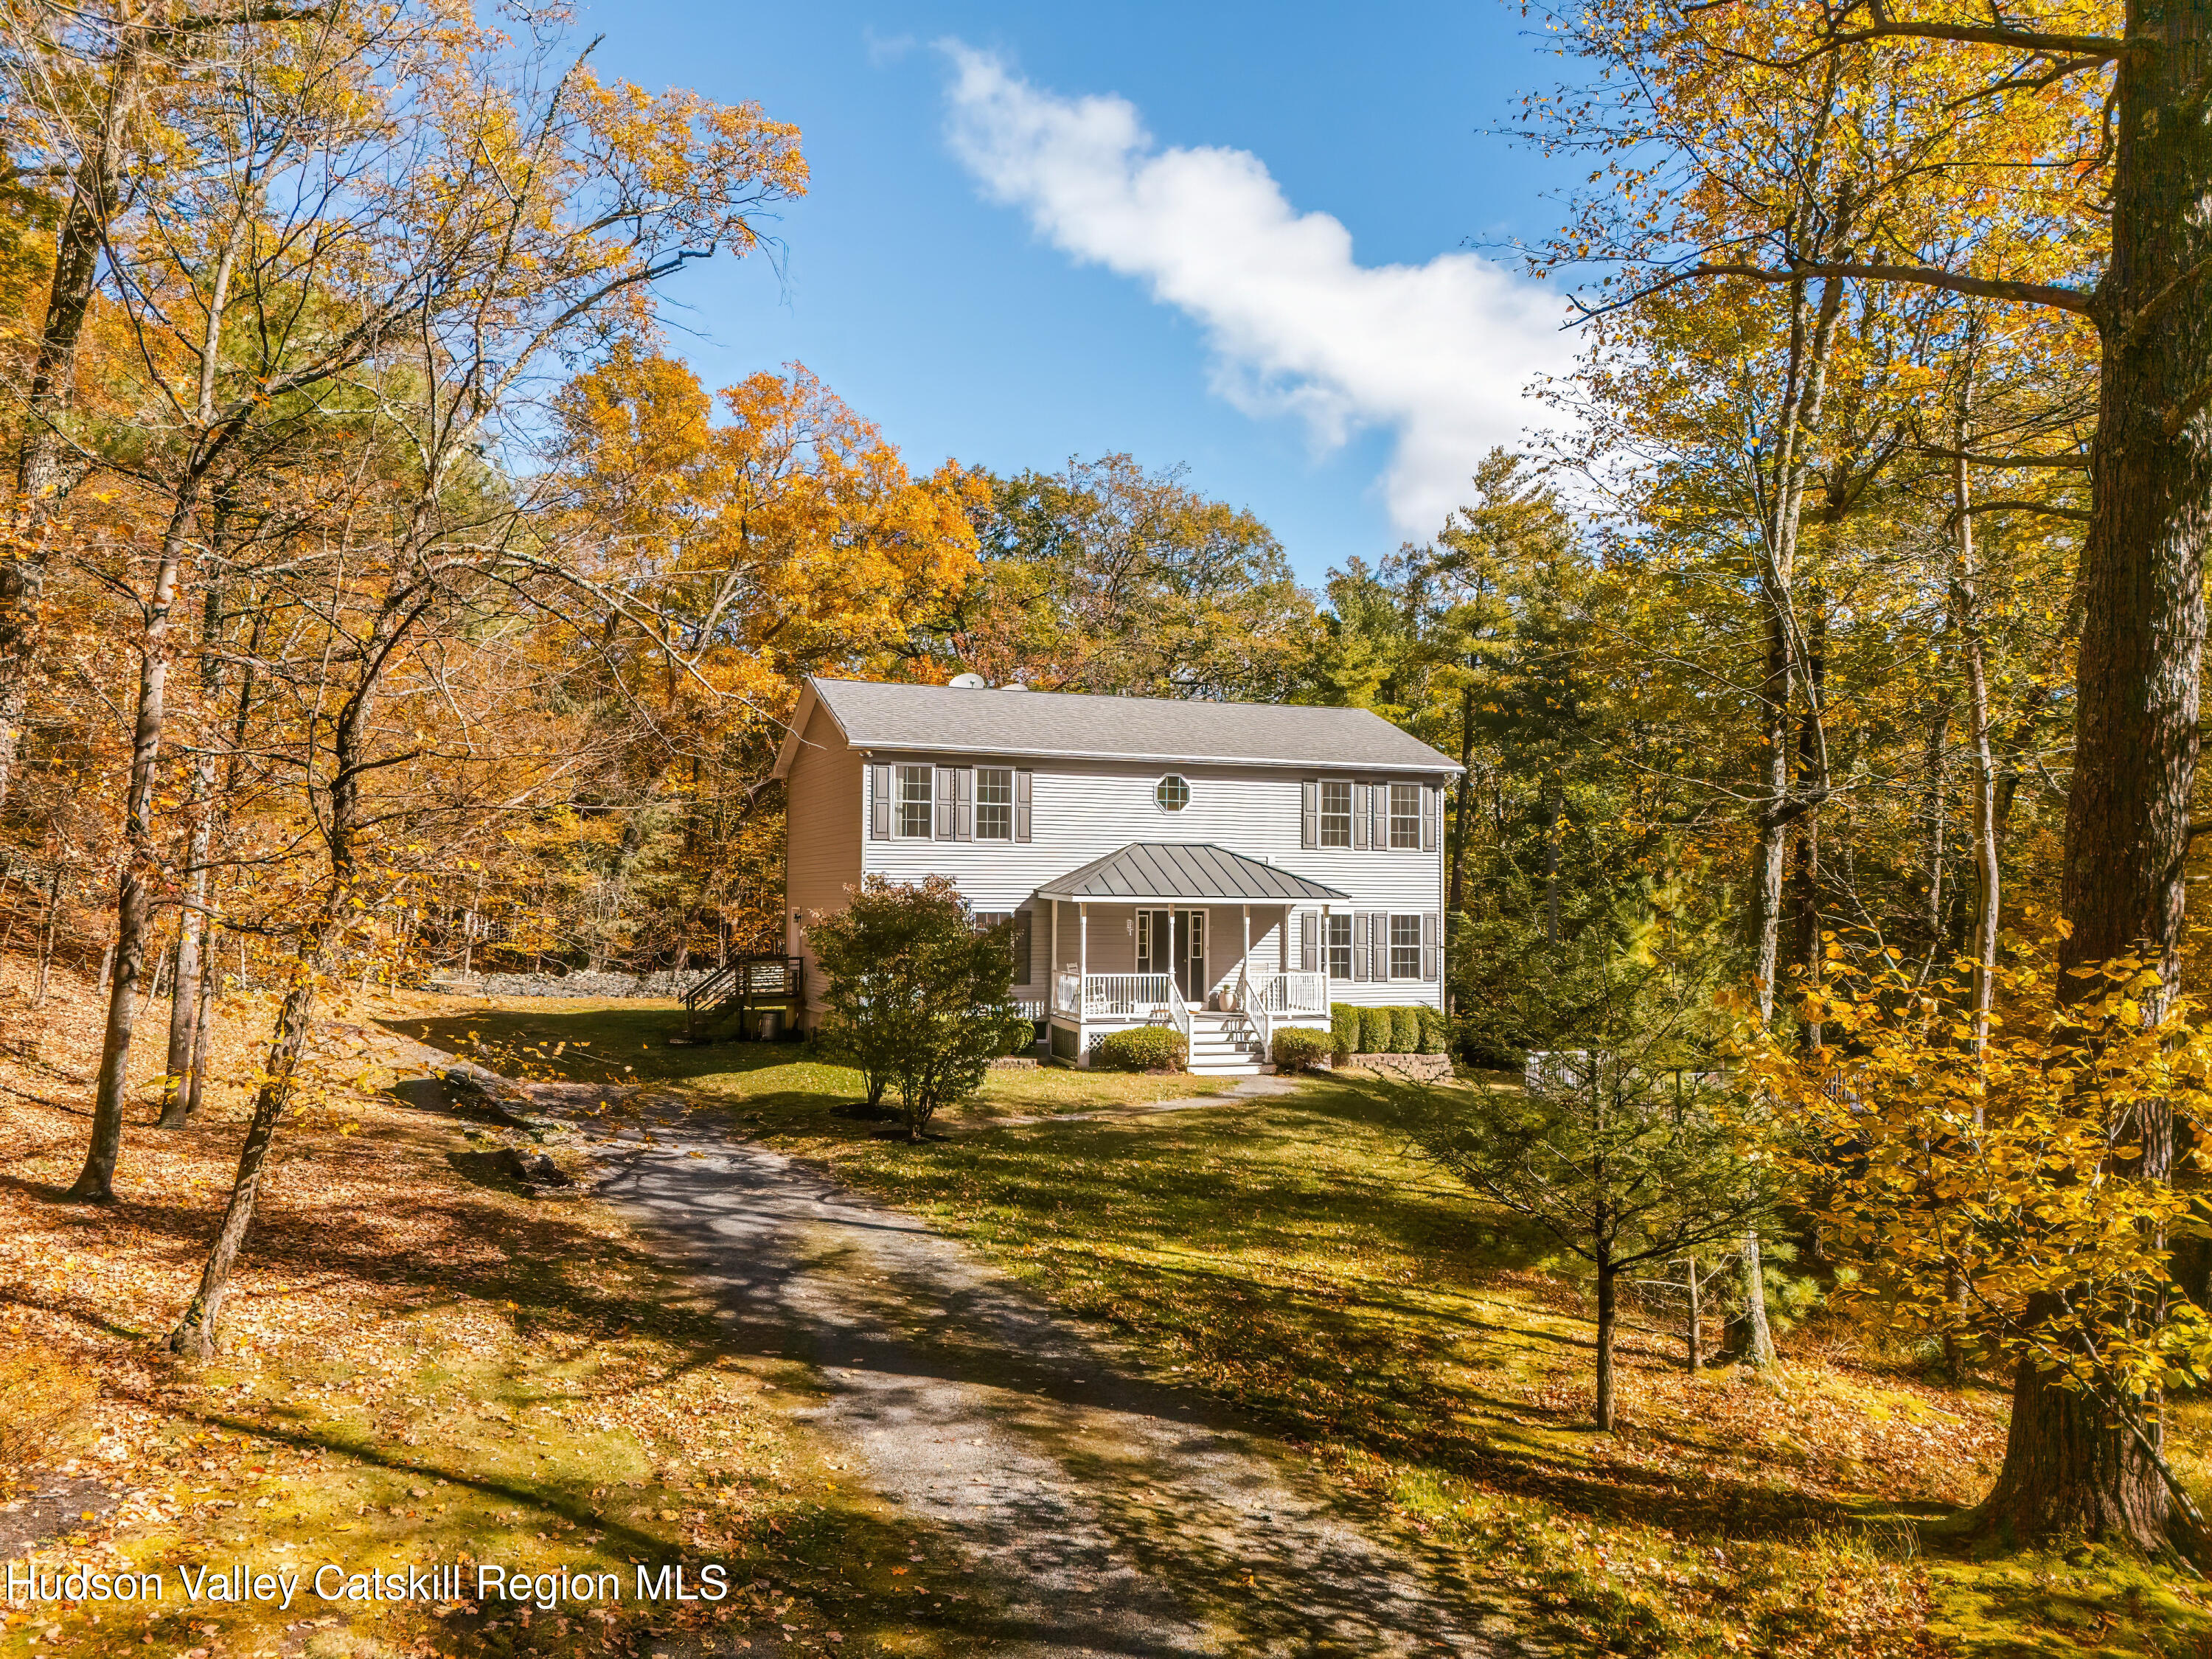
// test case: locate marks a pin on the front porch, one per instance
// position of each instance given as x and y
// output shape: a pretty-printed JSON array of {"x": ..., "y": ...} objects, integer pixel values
[{"x": 1191, "y": 937}]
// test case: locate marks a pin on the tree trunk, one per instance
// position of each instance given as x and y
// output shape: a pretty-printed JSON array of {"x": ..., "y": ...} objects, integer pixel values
[
  {"x": 1463, "y": 807},
  {"x": 1607, "y": 1288},
  {"x": 135, "y": 905},
  {"x": 2069, "y": 1464},
  {"x": 94, "y": 191},
  {"x": 1694, "y": 1330},
  {"x": 1749, "y": 1339},
  {"x": 1812, "y": 771},
  {"x": 47, "y": 937},
  {"x": 195, "y": 1335},
  {"x": 1551, "y": 810},
  {"x": 203, "y": 1020},
  {"x": 184, "y": 1002}
]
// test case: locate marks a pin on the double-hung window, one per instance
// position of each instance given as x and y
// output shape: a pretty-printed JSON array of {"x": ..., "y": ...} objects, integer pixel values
[
  {"x": 1338, "y": 936},
  {"x": 917, "y": 801},
  {"x": 994, "y": 803},
  {"x": 1405, "y": 815},
  {"x": 1336, "y": 820},
  {"x": 1405, "y": 947}
]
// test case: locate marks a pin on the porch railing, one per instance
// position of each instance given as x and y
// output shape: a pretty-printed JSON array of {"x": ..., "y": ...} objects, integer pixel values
[
  {"x": 1284, "y": 993},
  {"x": 1128, "y": 995},
  {"x": 1252, "y": 997}
]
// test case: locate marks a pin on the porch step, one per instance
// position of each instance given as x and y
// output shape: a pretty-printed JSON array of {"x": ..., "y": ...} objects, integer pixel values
[{"x": 1223, "y": 1046}]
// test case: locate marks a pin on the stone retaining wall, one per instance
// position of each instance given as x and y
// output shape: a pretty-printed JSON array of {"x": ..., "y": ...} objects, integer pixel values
[{"x": 578, "y": 984}]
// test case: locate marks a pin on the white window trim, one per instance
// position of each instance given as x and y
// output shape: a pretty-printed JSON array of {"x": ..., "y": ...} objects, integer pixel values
[
  {"x": 900, "y": 803},
  {"x": 1160, "y": 807},
  {"x": 1007, "y": 805},
  {"x": 1391, "y": 947},
  {"x": 1329, "y": 945},
  {"x": 1390, "y": 818},
  {"x": 1321, "y": 815}
]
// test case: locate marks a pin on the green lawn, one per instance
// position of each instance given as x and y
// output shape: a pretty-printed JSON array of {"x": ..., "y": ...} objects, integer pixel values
[
  {"x": 776, "y": 1087},
  {"x": 1292, "y": 1255}
]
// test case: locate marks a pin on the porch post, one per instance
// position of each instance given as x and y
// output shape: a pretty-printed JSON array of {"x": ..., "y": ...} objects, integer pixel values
[
  {"x": 1244, "y": 968},
  {"x": 1082, "y": 980}
]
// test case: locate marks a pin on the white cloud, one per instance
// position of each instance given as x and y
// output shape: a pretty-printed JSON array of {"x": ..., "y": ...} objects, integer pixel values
[{"x": 1440, "y": 354}]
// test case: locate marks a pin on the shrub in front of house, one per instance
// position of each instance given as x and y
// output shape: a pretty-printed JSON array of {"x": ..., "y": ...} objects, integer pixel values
[
  {"x": 1436, "y": 1031},
  {"x": 1406, "y": 1030},
  {"x": 1374, "y": 1031},
  {"x": 1297, "y": 1050},
  {"x": 917, "y": 996},
  {"x": 1343, "y": 1031},
  {"x": 1142, "y": 1048}
]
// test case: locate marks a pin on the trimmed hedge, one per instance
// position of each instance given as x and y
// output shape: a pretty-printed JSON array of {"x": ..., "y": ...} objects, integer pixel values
[
  {"x": 1142, "y": 1048},
  {"x": 1409, "y": 1029},
  {"x": 1297, "y": 1049},
  {"x": 1343, "y": 1031}
]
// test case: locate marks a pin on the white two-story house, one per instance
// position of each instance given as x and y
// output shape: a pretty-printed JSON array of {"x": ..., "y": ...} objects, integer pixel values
[{"x": 1228, "y": 868}]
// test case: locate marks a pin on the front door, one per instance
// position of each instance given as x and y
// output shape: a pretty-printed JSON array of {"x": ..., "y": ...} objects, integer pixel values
[{"x": 1174, "y": 942}]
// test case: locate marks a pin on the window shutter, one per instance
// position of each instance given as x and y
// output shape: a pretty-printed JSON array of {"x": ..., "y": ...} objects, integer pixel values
[
  {"x": 1359, "y": 794},
  {"x": 947, "y": 801},
  {"x": 1431, "y": 810},
  {"x": 1378, "y": 808},
  {"x": 1428, "y": 920},
  {"x": 1380, "y": 921},
  {"x": 1309, "y": 942},
  {"x": 879, "y": 806},
  {"x": 1021, "y": 805},
  {"x": 1310, "y": 793},
  {"x": 1359, "y": 932},
  {"x": 963, "y": 803},
  {"x": 1024, "y": 943}
]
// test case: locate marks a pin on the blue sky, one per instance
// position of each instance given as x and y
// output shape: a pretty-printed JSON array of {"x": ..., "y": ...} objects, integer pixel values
[{"x": 992, "y": 268}]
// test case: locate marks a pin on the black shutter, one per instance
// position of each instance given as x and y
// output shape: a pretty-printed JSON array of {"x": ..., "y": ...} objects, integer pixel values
[
  {"x": 1021, "y": 807},
  {"x": 1308, "y": 793},
  {"x": 1359, "y": 815},
  {"x": 963, "y": 803},
  {"x": 1428, "y": 920},
  {"x": 879, "y": 808}
]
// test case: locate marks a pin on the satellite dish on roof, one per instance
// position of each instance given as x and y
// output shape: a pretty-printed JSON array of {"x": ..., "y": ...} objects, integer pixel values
[{"x": 971, "y": 682}]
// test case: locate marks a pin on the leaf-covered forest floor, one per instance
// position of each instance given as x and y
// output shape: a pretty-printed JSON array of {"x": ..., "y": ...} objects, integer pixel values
[
  {"x": 1291, "y": 1255},
  {"x": 424, "y": 1363}
]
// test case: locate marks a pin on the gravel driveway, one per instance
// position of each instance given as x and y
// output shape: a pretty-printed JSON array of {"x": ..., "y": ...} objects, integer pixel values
[{"x": 1109, "y": 1516}]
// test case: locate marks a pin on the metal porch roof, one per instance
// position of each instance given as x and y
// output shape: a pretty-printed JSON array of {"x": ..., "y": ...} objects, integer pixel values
[{"x": 1170, "y": 870}]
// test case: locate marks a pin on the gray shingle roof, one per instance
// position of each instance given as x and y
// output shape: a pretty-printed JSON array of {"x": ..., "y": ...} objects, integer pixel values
[
  {"x": 1183, "y": 870},
  {"x": 949, "y": 720}
]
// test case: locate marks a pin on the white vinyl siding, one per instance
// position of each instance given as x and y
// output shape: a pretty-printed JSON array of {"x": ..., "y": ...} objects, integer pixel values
[
  {"x": 1080, "y": 811},
  {"x": 994, "y": 803}
]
